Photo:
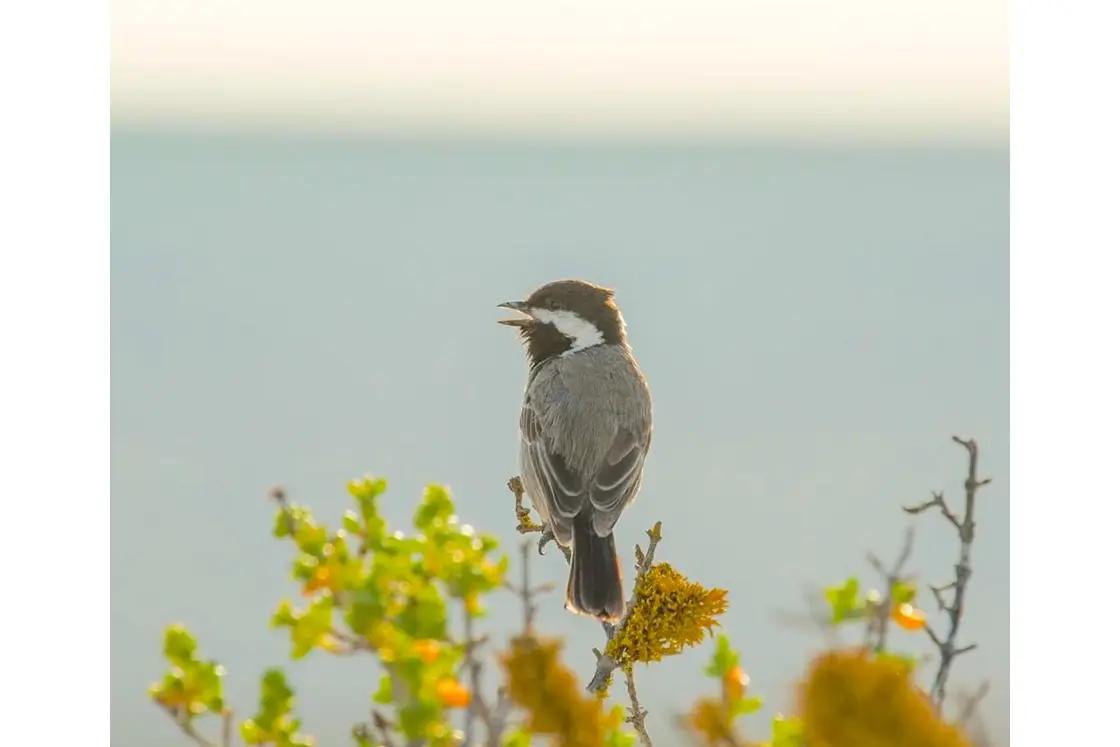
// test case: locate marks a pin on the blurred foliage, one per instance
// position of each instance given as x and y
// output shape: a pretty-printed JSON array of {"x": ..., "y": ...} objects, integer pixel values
[
  {"x": 856, "y": 698},
  {"x": 364, "y": 589},
  {"x": 554, "y": 701}
]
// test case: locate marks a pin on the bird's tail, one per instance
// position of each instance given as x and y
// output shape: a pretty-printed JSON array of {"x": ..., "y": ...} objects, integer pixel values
[{"x": 595, "y": 577}]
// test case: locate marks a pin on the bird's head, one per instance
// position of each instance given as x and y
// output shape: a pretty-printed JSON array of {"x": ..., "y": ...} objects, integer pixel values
[{"x": 566, "y": 316}]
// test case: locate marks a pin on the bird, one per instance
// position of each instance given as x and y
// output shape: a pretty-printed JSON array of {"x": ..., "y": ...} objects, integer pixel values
[{"x": 586, "y": 427}]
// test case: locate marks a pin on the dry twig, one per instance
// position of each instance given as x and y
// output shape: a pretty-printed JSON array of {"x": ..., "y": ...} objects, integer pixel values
[
  {"x": 179, "y": 716},
  {"x": 879, "y": 622},
  {"x": 479, "y": 709},
  {"x": 947, "y": 648}
]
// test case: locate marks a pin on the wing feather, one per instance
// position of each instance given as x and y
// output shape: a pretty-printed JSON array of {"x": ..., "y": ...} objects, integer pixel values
[
  {"x": 562, "y": 494},
  {"x": 617, "y": 482}
]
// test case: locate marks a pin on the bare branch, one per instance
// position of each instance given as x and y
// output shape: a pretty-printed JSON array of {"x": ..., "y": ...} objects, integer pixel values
[
  {"x": 180, "y": 717},
  {"x": 479, "y": 709},
  {"x": 953, "y": 607},
  {"x": 971, "y": 703},
  {"x": 938, "y": 501},
  {"x": 879, "y": 621},
  {"x": 637, "y": 715},
  {"x": 227, "y": 728},
  {"x": 384, "y": 729}
]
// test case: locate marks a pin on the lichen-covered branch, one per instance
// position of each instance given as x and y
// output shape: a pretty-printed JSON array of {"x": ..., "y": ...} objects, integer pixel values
[{"x": 605, "y": 665}]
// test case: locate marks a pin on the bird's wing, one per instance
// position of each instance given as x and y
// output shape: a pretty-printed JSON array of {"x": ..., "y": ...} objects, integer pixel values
[
  {"x": 561, "y": 489},
  {"x": 617, "y": 482}
]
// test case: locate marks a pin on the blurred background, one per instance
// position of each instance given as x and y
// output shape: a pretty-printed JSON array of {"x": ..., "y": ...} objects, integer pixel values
[{"x": 316, "y": 207}]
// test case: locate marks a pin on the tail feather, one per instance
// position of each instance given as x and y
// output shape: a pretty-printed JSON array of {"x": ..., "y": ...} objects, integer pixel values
[{"x": 595, "y": 576}]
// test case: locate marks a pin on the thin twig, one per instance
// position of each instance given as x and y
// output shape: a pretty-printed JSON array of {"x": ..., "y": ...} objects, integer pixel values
[
  {"x": 971, "y": 703},
  {"x": 604, "y": 664},
  {"x": 947, "y": 648},
  {"x": 384, "y": 729},
  {"x": 879, "y": 622},
  {"x": 637, "y": 715},
  {"x": 479, "y": 709},
  {"x": 179, "y": 716},
  {"x": 227, "y": 728}
]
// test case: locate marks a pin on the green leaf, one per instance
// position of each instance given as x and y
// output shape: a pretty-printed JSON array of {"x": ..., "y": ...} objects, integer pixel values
[
  {"x": 619, "y": 738},
  {"x": 517, "y": 738},
  {"x": 282, "y": 525},
  {"x": 367, "y": 607},
  {"x": 367, "y": 489},
  {"x": 311, "y": 538},
  {"x": 384, "y": 694},
  {"x": 787, "y": 732},
  {"x": 276, "y": 695},
  {"x": 179, "y": 646},
  {"x": 251, "y": 732},
  {"x": 208, "y": 677},
  {"x": 360, "y": 489},
  {"x": 903, "y": 593},
  {"x": 845, "y": 601},
  {"x": 416, "y": 717},
  {"x": 283, "y": 617},
  {"x": 435, "y": 510},
  {"x": 425, "y": 616},
  {"x": 723, "y": 660},
  {"x": 745, "y": 706},
  {"x": 351, "y": 523}
]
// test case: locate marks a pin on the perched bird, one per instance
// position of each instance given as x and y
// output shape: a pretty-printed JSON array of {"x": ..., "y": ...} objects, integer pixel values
[{"x": 586, "y": 426}]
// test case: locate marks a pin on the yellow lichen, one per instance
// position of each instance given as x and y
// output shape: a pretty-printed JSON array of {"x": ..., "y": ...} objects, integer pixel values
[
  {"x": 553, "y": 700},
  {"x": 670, "y": 613},
  {"x": 853, "y": 699}
]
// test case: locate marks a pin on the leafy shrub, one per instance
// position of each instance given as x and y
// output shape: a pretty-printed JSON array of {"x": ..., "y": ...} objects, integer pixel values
[{"x": 370, "y": 590}]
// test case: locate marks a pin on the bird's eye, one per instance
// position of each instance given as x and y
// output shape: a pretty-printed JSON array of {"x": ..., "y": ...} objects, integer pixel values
[{"x": 553, "y": 304}]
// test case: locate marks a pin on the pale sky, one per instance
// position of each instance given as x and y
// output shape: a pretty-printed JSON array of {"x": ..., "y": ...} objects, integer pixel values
[{"x": 578, "y": 65}]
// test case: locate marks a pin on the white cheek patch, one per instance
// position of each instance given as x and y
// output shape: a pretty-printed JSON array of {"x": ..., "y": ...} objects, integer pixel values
[{"x": 583, "y": 333}]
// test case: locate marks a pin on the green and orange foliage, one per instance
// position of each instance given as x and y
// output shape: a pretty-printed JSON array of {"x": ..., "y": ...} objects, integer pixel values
[
  {"x": 273, "y": 723},
  {"x": 192, "y": 686},
  {"x": 713, "y": 718},
  {"x": 847, "y": 698},
  {"x": 364, "y": 589},
  {"x": 388, "y": 593},
  {"x": 368, "y": 590}
]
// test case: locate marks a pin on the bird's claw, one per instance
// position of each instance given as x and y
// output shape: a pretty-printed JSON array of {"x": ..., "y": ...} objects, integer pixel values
[{"x": 546, "y": 537}]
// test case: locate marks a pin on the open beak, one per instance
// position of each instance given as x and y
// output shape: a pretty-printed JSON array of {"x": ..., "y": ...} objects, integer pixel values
[{"x": 521, "y": 308}]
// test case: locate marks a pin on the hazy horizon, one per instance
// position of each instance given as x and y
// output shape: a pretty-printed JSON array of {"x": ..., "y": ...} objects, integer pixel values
[{"x": 863, "y": 69}]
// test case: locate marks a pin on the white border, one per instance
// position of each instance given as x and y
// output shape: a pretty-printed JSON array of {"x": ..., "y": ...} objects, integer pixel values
[
  {"x": 54, "y": 372},
  {"x": 1065, "y": 340},
  {"x": 53, "y": 399}
]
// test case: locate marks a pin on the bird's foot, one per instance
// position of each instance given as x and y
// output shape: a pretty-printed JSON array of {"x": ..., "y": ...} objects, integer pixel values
[{"x": 546, "y": 537}]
